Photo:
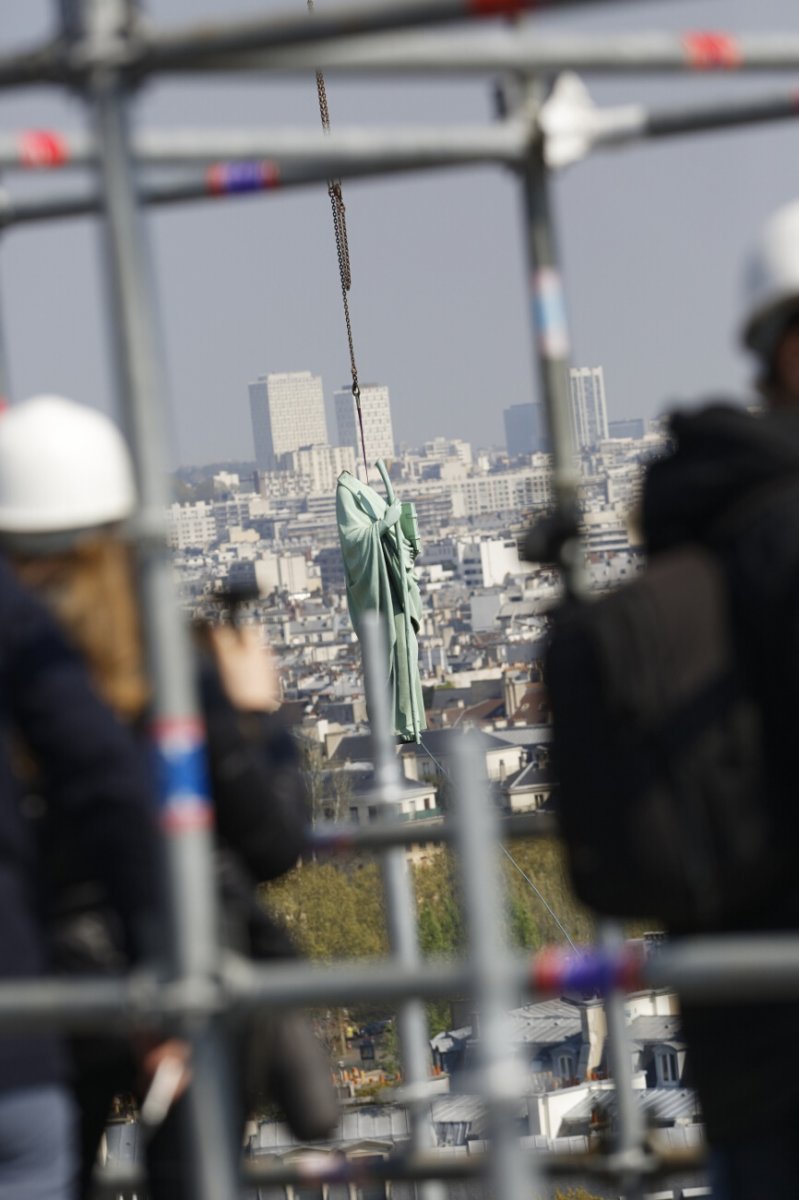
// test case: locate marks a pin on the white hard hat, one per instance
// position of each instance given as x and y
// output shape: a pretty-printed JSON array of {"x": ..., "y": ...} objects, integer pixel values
[
  {"x": 772, "y": 281},
  {"x": 63, "y": 467}
]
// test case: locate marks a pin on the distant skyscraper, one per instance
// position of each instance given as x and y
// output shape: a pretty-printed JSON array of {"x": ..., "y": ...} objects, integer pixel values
[
  {"x": 288, "y": 411},
  {"x": 525, "y": 429},
  {"x": 589, "y": 410},
  {"x": 377, "y": 428}
]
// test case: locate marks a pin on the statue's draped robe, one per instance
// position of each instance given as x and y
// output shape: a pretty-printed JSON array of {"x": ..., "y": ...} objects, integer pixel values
[{"x": 374, "y": 584}]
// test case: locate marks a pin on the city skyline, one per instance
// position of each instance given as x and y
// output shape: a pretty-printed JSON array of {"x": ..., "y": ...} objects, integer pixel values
[{"x": 522, "y": 423}]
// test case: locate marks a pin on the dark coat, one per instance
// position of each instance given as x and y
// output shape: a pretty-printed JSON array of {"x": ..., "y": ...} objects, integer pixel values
[
  {"x": 261, "y": 819},
  {"x": 95, "y": 779},
  {"x": 731, "y": 482},
  {"x": 260, "y": 798}
]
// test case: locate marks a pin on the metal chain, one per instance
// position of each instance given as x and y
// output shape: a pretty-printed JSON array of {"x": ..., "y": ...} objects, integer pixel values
[{"x": 342, "y": 252}]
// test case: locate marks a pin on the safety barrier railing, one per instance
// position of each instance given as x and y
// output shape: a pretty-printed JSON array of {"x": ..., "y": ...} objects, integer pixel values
[{"x": 104, "y": 52}]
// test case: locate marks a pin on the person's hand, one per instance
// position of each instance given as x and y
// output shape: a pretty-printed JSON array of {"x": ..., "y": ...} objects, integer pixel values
[
  {"x": 390, "y": 516},
  {"x": 165, "y": 1075},
  {"x": 246, "y": 668}
]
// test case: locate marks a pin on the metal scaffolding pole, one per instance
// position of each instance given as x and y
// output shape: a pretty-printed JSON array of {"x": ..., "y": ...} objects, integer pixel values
[
  {"x": 525, "y": 50},
  {"x": 629, "y": 1137},
  {"x": 343, "y": 838},
  {"x": 584, "y": 131},
  {"x": 362, "y": 147},
  {"x": 314, "y": 1171},
  {"x": 5, "y": 370},
  {"x": 492, "y": 983},
  {"x": 664, "y": 123},
  {"x": 186, "y": 812},
  {"x": 552, "y": 355},
  {"x": 174, "y": 50},
  {"x": 560, "y": 541},
  {"x": 574, "y": 126},
  {"x": 706, "y": 970},
  {"x": 200, "y": 47},
  {"x": 398, "y": 890}
]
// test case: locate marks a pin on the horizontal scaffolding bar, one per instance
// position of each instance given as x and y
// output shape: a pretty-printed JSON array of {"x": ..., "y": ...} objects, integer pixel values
[
  {"x": 331, "y": 153},
  {"x": 527, "y": 51},
  {"x": 343, "y": 838},
  {"x": 223, "y": 180},
  {"x": 324, "y": 1167},
  {"x": 726, "y": 969},
  {"x": 197, "y": 47},
  {"x": 172, "y": 50},
  {"x": 73, "y": 1003},
  {"x": 593, "y": 129},
  {"x": 455, "y": 1166},
  {"x": 45, "y": 64},
  {"x": 710, "y": 118},
  {"x": 574, "y": 126},
  {"x": 138, "y": 999}
]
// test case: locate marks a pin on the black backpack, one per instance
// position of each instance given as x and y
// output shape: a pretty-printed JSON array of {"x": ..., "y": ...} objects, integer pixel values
[{"x": 659, "y": 750}]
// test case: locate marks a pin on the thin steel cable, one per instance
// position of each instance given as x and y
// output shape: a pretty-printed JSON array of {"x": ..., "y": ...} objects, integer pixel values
[
  {"x": 543, "y": 900},
  {"x": 343, "y": 254},
  {"x": 508, "y": 855}
]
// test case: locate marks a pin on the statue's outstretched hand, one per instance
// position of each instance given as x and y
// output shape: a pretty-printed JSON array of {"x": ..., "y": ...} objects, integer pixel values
[{"x": 390, "y": 516}]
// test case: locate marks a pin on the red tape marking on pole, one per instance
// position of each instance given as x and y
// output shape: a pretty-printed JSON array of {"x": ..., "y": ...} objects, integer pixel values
[
  {"x": 38, "y": 148},
  {"x": 708, "y": 51},
  {"x": 500, "y": 8}
]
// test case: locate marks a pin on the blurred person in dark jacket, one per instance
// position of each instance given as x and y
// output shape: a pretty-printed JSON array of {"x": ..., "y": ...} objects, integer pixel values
[
  {"x": 68, "y": 486},
  {"x": 743, "y": 1056},
  {"x": 94, "y": 778}
]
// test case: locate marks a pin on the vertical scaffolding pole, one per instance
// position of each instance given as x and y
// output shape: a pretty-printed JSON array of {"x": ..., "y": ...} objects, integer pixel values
[
  {"x": 5, "y": 370},
  {"x": 482, "y": 897},
  {"x": 399, "y": 895},
  {"x": 186, "y": 812},
  {"x": 553, "y": 349},
  {"x": 629, "y": 1142}
]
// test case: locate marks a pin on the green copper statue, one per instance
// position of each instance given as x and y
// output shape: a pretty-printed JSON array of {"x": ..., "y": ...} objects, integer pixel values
[{"x": 379, "y": 542}]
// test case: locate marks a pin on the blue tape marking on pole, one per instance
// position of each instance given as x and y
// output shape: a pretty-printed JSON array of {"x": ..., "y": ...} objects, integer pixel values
[
  {"x": 225, "y": 179},
  {"x": 184, "y": 791},
  {"x": 589, "y": 971},
  {"x": 549, "y": 310}
]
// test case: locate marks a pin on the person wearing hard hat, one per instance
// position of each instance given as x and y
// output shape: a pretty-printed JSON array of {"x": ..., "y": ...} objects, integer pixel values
[
  {"x": 66, "y": 485},
  {"x": 91, "y": 774},
  {"x": 771, "y": 325},
  {"x": 731, "y": 484}
]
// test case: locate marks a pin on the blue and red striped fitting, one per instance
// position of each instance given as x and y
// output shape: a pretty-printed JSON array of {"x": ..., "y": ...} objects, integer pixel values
[
  {"x": 710, "y": 51},
  {"x": 42, "y": 148},
  {"x": 559, "y": 972},
  {"x": 184, "y": 791},
  {"x": 336, "y": 843},
  {"x": 226, "y": 179}
]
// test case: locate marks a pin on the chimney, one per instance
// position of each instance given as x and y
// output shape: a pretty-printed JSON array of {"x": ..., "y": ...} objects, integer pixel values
[{"x": 594, "y": 1031}]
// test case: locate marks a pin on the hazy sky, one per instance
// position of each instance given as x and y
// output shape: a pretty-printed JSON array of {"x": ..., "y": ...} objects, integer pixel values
[{"x": 652, "y": 239}]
